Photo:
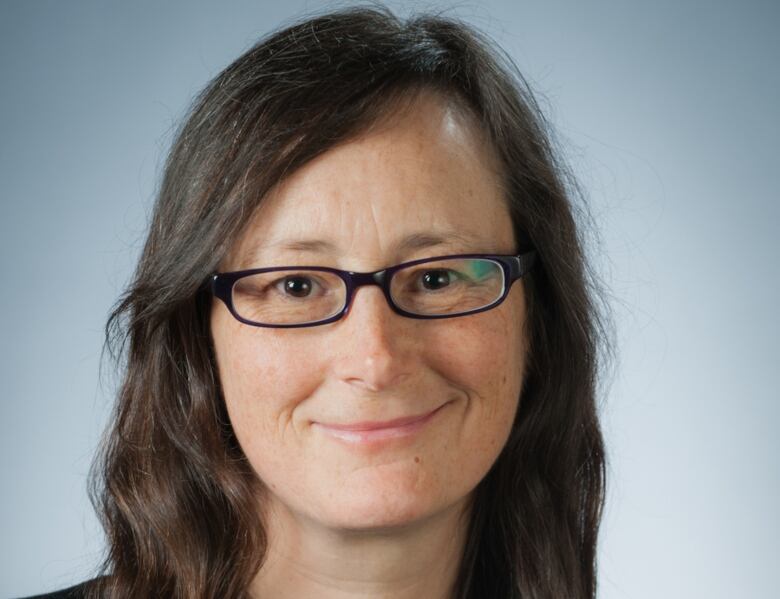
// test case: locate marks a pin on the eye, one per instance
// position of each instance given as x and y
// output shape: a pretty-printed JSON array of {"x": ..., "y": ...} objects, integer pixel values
[
  {"x": 296, "y": 286},
  {"x": 436, "y": 279}
]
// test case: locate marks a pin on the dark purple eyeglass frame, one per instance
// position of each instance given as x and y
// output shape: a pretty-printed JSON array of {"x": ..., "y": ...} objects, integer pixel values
[{"x": 514, "y": 267}]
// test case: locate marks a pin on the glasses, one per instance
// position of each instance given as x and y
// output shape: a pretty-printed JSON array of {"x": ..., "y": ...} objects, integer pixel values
[{"x": 305, "y": 296}]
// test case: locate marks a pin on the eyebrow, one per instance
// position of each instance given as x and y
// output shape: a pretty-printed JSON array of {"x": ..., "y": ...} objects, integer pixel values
[{"x": 414, "y": 241}]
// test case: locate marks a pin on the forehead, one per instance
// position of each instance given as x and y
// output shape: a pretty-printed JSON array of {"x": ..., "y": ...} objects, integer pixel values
[{"x": 424, "y": 172}]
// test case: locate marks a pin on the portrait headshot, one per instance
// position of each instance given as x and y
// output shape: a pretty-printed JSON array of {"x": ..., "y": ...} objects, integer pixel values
[{"x": 389, "y": 300}]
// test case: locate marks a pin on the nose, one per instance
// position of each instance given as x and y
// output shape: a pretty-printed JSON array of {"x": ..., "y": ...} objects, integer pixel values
[{"x": 375, "y": 348}]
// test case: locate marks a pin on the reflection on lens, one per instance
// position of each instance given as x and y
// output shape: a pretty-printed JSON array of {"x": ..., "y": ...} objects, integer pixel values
[{"x": 449, "y": 286}]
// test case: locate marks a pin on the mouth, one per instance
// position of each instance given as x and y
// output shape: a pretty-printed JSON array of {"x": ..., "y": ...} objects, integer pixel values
[{"x": 377, "y": 431}]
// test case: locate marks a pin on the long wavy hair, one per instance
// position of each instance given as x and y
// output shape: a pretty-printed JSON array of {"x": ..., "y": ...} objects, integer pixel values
[{"x": 175, "y": 493}]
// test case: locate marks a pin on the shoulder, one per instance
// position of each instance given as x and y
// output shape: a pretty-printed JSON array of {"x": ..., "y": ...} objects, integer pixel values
[{"x": 75, "y": 592}]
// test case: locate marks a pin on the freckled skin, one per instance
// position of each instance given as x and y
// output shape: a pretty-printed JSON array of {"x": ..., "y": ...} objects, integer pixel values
[{"x": 428, "y": 171}]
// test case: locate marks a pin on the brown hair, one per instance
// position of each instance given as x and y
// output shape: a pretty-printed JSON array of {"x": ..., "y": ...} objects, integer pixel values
[{"x": 173, "y": 487}]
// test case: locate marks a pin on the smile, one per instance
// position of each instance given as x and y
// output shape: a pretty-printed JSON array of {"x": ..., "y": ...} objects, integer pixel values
[{"x": 369, "y": 433}]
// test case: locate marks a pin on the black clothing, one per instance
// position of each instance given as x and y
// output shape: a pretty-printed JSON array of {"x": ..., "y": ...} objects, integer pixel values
[{"x": 75, "y": 592}]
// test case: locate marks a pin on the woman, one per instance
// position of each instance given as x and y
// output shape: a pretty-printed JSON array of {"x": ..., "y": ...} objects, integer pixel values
[{"x": 361, "y": 344}]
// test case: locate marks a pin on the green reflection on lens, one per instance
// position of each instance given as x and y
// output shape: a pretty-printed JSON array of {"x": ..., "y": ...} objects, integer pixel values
[{"x": 482, "y": 268}]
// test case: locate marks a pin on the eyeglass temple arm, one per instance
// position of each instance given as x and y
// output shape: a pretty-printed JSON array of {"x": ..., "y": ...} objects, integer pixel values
[{"x": 521, "y": 264}]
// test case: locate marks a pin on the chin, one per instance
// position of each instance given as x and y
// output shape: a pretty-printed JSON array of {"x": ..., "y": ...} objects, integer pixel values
[
  {"x": 386, "y": 497},
  {"x": 378, "y": 514}
]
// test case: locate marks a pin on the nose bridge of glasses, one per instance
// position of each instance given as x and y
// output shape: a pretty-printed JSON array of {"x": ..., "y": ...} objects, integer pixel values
[
  {"x": 363, "y": 279},
  {"x": 359, "y": 279},
  {"x": 356, "y": 280}
]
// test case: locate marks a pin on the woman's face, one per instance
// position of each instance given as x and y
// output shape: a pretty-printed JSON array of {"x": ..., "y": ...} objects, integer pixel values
[{"x": 425, "y": 173}]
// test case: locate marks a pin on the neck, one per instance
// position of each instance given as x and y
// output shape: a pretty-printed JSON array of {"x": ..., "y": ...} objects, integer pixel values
[{"x": 307, "y": 559}]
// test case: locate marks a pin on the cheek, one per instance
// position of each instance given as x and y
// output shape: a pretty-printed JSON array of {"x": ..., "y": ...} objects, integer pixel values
[
  {"x": 485, "y": 357},
  {"x": 485, "y": 353},
  {"x": 261, "y": 380}
]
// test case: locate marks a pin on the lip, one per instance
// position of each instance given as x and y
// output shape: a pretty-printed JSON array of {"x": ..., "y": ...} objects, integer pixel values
[{"x": 371, "y": 431}]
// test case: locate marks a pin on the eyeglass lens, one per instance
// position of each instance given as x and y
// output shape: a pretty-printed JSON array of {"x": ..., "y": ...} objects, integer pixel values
[{"x": 298, "y": 296}]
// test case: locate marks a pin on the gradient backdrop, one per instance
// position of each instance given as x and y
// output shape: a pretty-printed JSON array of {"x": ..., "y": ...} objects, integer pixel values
[{"x": 668, "y": 112}]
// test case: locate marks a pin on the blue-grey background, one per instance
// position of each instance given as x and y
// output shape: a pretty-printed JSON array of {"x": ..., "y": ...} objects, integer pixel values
[{"x": 668, "y": 113}]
